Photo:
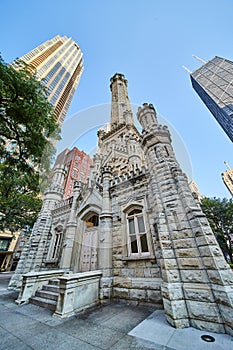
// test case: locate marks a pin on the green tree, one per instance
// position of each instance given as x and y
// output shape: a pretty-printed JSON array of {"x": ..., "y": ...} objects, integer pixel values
[
  {"x": 28, "y": 126},
  {"x": 219, "y": 213}
]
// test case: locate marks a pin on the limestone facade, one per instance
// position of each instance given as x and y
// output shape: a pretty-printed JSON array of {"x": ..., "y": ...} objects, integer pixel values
[
  {"x": 227, "y": 177},
  {"x": 137, "y": 222}
]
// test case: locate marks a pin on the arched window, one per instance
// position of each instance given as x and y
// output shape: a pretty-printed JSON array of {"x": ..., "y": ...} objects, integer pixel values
[
  {"x": 137, "y": 234},
  {"x": 93, "y": 221}
]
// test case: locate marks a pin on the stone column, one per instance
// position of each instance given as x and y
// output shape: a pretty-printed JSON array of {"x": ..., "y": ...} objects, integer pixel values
[
  {"x": 105, "y": 237},
  {"x": 71, "y": 227}
]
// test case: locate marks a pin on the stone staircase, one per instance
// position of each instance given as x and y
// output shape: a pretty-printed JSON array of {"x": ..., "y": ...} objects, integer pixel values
[{"x": 47, "y": 296}]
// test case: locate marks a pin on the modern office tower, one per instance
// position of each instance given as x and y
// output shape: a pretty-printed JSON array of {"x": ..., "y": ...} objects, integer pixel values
[
  {"x": 213, "y": 82},
  {"x": 195, "y": 190},
  {"x": 227, "y": 178},
  {"x": 77, "y": 164},
  {"x": 58, "y": 64}
]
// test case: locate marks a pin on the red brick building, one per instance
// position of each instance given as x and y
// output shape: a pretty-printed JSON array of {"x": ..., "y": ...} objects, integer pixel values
[{"x": 78, "y": 168}]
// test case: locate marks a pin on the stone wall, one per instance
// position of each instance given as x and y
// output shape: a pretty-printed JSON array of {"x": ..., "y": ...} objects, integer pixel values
[{"x": 135, "y": 278}]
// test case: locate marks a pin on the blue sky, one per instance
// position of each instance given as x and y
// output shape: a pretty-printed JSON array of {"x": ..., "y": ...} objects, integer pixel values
[{"x": 148, "y": 41}]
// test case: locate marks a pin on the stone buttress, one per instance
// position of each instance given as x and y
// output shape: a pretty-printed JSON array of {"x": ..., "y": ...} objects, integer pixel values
[
  {"x": 197, "y": 286},
  {"x": 35, "y": 251}
]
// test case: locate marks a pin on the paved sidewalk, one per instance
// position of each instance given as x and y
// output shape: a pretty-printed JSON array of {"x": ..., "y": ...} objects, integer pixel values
[
  {"x": 116, "y": 326},
  {"x": 156, "y": 330},
  {"x": 32, "y": 327}
]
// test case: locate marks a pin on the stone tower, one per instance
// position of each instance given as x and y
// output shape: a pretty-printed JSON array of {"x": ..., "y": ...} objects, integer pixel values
[
  {"x": 197, "y": 285},
  {"x": 137, "y": 221},
  {"x": 34, "y": 253},
  {"x": 121, "y": 109}
]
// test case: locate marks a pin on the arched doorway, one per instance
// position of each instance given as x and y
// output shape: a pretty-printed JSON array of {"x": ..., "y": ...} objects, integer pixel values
[{"x": 88, "y": 258}]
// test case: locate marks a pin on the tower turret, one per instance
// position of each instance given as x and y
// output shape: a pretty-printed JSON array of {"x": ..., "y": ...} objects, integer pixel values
[
  {"x": 37, "y": 246},
  {"x": 154, "y": 134},
  {"x": 147, "y": 116},
  {"x": 196, "y": 277},
  {"x": 121, "y": 109}
]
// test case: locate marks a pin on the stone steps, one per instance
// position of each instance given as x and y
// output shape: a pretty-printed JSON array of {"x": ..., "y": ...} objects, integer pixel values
[
  {"x": 47, "y": 296},
  {"x": 46, "y": 303},
  {"x": 51, "y": 288},
  {"x": 55, "y": 282}
]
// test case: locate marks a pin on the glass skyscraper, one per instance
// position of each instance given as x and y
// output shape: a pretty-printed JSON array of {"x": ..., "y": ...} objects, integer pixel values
[
  {"x": 213, "y": 82},
  {"x": 58, "y": 64}
]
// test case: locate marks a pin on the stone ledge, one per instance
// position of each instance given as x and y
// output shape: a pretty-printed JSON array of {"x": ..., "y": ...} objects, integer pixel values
[{"x": 134, "y": 258}]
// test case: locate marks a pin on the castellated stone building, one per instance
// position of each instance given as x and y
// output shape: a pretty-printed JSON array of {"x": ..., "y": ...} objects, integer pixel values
[{"x": 134, "y": 232}]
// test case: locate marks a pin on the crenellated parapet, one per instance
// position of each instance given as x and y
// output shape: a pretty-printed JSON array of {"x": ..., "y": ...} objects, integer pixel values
[
  {"x": 54, "y": 189},
  {"x": 131, "y": 176},
  {"x": 103, "y": 135},
  {"x": 152, "y": 132},
  {"x": 64, "y": 203},
  {"x": 118, "y": 77},
  {"x": 147, "y": 116},
  {"x": 106, "y": 170}
]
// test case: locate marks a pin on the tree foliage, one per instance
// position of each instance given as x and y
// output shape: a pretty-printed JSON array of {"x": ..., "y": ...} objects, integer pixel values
[
  {"x": 27, "y": 127},
  {"x": 219, "y": 213}
]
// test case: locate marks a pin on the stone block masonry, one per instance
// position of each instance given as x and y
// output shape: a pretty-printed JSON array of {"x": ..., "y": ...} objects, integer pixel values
[{"x": 136, "y": 222}]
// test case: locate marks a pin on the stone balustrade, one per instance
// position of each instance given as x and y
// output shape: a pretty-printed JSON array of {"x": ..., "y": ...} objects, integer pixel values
[
  {"x": 66, "y": 202},
  {"x": 32, "y": 281},
  {"x": 77, "y": 292}
]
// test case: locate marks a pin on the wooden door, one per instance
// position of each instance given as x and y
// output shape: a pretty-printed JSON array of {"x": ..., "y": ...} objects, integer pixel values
[{"x": 89, "y": 250}]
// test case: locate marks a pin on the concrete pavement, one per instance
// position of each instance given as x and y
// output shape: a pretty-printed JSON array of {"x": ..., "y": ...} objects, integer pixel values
[
  {"x": 115, "y": 326},
  {"x": 155, "y": 329}
]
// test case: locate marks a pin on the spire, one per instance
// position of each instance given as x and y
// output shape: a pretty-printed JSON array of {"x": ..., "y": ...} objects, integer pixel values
[
  {"x": 199, "y": 59},
  {"x": 227, "y": 165},
  {"x": 121, "y": 109},
  {"x": 187, "y": 70}
]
